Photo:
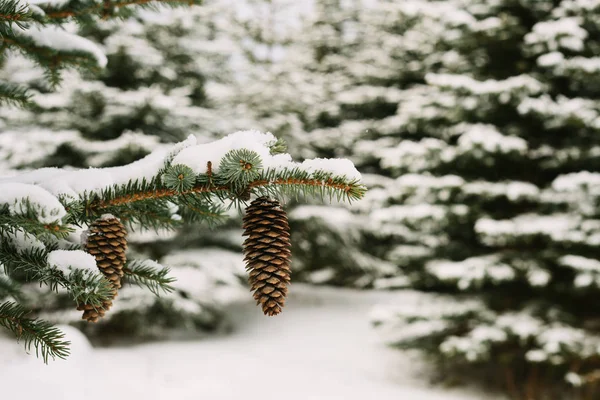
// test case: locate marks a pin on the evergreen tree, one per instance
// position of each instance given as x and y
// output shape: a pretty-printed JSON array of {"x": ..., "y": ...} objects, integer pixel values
[
  {"x": 492, "y": 152},
  {"x": 66, "y": 229}
]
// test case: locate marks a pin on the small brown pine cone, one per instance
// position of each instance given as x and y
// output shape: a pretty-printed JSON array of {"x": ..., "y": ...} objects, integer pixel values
[
  {"x": 107, "y": 241},
  {"x": 91, "y": 314},
  {"x": 267, "y": 253}
]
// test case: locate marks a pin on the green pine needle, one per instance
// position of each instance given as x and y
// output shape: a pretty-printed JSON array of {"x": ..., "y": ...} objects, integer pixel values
[
  {"x": 149, "y": 275},
  {"x": 47, "y": 340},
  {"x": 240, "y": 167},
  {"x": 179, "y": 177}
]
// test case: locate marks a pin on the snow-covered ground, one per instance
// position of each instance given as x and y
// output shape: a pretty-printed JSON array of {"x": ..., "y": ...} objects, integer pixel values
[{"x": 321, "y": 347}]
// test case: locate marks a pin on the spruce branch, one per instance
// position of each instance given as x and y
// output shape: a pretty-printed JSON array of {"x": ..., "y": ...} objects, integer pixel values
[
  {"x": 12, "y": 12},
  {"x": 14, "y": 95},
  {"x": 83, "y": 286},
  {"x": 195, "y": 209},
  {"x": 178, "y": 191},
  {"x": 27, "y": 221},
  {"x": 47, "y": 340},
  {"x": 273, "y": 182},
  {"x": 151, "y": 275},
  {"x": 107, "y": 9},
  {"x": 8, "y": 287},
  {"x": 53, "y": 61}
]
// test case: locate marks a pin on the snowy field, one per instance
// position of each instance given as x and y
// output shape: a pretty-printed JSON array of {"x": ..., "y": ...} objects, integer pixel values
[{"x": 321, "y": 347}]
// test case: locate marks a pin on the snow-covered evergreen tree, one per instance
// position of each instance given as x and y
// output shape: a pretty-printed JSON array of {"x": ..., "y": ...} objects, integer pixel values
[
  {"x": 46, "y": 210},
  {"x": 492, "y": 160}
]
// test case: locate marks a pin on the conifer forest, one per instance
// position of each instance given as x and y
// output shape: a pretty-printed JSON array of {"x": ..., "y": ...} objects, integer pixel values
[{"x": 300, "y": 199}]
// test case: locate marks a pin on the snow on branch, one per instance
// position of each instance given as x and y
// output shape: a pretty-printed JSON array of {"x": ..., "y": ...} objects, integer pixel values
[
  {"x": 23, "y": 198},
  {"x": 55, "y": 38},
  {"x": 513, "y": 85},
  {"x": 68, "y": 260},
  {"x": 241, "y": 162}
]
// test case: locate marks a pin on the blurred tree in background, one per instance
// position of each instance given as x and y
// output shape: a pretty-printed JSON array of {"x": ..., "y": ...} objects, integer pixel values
[{"x": 493, "y": 155}]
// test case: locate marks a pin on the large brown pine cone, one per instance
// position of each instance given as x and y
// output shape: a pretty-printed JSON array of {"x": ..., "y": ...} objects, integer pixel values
[
  {"x": 107, "y": 241},
  {"x": 267, "y": 253}
]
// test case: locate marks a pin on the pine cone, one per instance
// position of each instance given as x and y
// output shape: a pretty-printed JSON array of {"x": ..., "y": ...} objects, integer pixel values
[
  {"x": 91, "y": 314},
  {"x": 267, "y": 253},
  {"x": 106, "y": 241}
]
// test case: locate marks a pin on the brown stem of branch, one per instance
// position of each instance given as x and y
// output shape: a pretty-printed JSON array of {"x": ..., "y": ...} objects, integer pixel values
[
  {"x": 309, "y": 182},
  {"x": 99, "y": 7},
  {"x": 154, "y": 194},
  {"x": 161, "y": 193},
  {"x": 14, "y": 17}
]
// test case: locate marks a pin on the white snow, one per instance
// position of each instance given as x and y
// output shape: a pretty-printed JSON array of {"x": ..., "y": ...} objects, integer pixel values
[
  {"x": 513, "y": 190},
  {"x": 24, "y": 241},
  {"x": 550, "y": 59},
  {"x": 489, "y": 139},
  {"x": 577, "y": 181},
  {"x": 523, "y": 84},
  {"x": 107, "y": 217},
  {"x": 580, "y": 263},
  {"x": 574, "y": 379},
  {"x": 321, "y": 348},
  {"x": 559, "y": 227},
  {"x": 335, "y": 166},
  {"x": 562, "y": 110},
  {"x": 46, "y": 206},
  {"x": 536, "y": 355},
  {"x": 538, "y": 277},
  {"x": 471, "y": 272},
  {"x": 476, "y": 345},
  {"x": 197, "y": 157},
  {"x": 413, "y": 156},
  {"x": 69, "y": 260},
  {"x": 338, "y": 218},
  {"x": 563, "y": 33},
  {"x": 416, "y": 212},
  {"x": 587, "y": 270},
  {"x": 520, "y": 324},
  {"x": 209, "y": 274}
]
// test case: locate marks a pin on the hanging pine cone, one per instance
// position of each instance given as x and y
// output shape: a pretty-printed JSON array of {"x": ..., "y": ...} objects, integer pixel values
[
  {"x": 106, "y": 241},
  {"x": 91, "y": 314},
  {"x": 267, "y": 253}
]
